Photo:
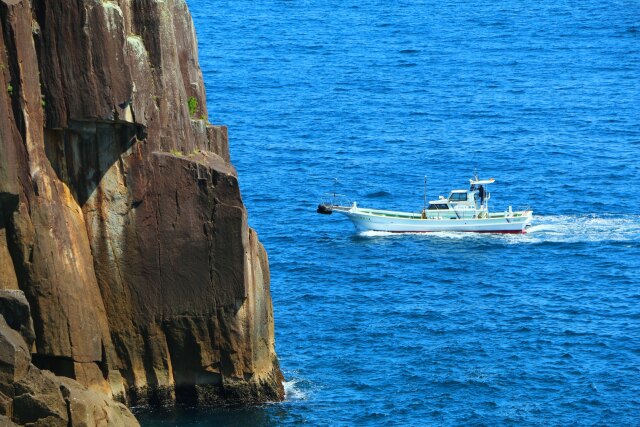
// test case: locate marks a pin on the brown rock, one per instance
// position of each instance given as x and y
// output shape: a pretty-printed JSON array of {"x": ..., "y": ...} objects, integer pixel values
[
  {"x": 43, "y": 399},
  {"x": 45, "y": 230},
  {"x": 8, "y": 279},
  {"x": 38, "y": 400},
  {"x": 88, "y": 408},
  {"x": 9, "y": 188},
  {"x": 6, "y": 405},
  {"x": 6, "y": 422},
  {"x": 120, "y": 215},
  {"x": 30, "y": 396},
  {"x": 206, "y": 308},
  {"x": 14, "y": 357},
  {"x": 15, "y": 309}
]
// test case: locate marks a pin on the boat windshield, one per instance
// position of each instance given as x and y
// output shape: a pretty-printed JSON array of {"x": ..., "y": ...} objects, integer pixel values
[{"x": 458, "y": 197}]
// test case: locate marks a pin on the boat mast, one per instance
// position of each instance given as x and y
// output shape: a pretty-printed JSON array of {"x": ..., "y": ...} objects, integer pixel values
[{"x": 424, "y": 204}]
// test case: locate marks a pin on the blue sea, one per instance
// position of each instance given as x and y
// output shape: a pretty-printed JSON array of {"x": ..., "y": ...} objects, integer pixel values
[{"x": 541, "y": 329}]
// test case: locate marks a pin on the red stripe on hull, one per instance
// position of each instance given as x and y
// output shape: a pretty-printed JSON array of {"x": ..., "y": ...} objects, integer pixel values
[{"x": 457, "y": 231}]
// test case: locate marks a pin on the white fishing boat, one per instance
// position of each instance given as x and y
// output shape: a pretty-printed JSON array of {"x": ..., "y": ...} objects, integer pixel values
[{"x": 463, "y": 210}]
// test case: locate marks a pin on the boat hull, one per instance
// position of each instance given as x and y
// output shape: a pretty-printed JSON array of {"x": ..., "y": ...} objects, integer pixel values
[{"x": 365, "y": 221}]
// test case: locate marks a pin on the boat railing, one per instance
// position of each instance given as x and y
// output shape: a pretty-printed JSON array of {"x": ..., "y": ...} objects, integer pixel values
[
  {"x": 519, "y": 211},
  {"x": 335, "y": 199},
  {"x": 391, "y": 214}
]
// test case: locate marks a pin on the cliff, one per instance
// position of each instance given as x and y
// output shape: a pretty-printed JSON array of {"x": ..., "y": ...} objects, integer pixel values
[
  {"x": 121, "y": 217},
  {"x": 32, "y": 397}
]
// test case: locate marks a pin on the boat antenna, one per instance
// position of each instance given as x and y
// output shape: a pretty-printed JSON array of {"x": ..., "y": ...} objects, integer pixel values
[
  {"x": 335, "y": 190},
  {"x": 424, "y": 205}
]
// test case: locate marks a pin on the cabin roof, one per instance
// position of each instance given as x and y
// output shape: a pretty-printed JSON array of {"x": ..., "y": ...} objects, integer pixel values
[{"x": 481, "y": 181}]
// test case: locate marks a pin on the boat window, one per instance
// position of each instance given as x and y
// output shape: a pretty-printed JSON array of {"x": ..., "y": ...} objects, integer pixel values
[
  {"x": 458, "y": 196},
  {"x": 436, "y": 206}
]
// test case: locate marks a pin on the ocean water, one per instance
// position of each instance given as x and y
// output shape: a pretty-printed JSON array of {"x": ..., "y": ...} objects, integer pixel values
[{"x": 441, "y": 329}]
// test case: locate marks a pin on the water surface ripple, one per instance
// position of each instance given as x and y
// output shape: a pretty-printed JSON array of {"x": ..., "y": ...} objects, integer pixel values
[{"x": 441, "y": 329}]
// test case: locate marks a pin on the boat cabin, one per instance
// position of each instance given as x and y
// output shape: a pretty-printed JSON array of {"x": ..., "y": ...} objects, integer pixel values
[
  {"x": 462, "y": 204},
  {"x": 462, "y": 197},
  {"x": 457, "y": 198}
]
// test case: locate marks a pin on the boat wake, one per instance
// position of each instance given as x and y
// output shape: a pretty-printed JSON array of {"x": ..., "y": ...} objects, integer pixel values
[
  {"x": 554, "y": 229},
  {"x": 585, "y": 228},
  {"x": 539, "y": 228}
]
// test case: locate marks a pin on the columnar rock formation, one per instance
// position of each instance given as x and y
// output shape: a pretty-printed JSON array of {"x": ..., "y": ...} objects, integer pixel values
[{"x": 120, "y": 214}]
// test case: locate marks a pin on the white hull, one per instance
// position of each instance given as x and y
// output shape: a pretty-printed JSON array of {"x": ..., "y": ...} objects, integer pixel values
[{"x": 399, "y": 222}]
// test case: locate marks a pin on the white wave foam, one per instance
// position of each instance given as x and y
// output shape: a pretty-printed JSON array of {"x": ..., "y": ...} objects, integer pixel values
[
  {"x": 292, "y": 390},
  {"x": 541, "y": 228},
  {"x": 371, "y": 233},
  {"x": 585, "y": 228},
  {"x": 447, "y": 234}
]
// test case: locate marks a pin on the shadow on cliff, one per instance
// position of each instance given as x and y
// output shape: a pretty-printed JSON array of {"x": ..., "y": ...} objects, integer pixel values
[{"x": 85, "y": 151}]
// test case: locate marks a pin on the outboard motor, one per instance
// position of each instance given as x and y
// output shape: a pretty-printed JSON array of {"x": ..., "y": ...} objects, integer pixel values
[{"x": 324, "y": 208}]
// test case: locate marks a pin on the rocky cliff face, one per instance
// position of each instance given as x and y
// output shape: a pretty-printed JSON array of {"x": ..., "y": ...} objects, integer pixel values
[
  {"x": 120, "y": 214},
  {"x": 32, "y": 397}
]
